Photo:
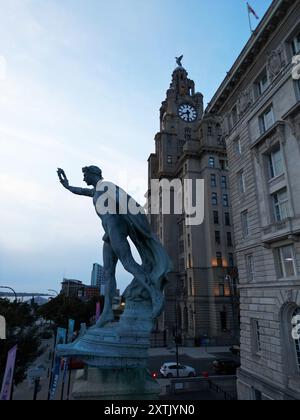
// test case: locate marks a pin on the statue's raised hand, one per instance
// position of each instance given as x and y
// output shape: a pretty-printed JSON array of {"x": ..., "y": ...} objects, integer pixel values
[{"x": 63, "y": 178}]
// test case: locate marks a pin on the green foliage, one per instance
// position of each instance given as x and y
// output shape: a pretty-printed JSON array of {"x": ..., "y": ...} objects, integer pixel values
[{"x": 21, "y": 331}]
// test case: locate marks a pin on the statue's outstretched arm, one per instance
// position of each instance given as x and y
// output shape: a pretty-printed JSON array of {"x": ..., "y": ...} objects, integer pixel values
[
  {"x": 82, "y": 191},
  {"x": 75, "y": 190}
]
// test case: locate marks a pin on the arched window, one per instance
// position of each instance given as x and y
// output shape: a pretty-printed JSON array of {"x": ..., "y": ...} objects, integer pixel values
[
  {"x": 191, "y": 318},
  {"x": 296, "y": 334},
  {"x": 290, "y": 341}
]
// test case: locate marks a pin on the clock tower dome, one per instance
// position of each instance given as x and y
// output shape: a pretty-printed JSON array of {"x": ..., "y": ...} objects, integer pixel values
[{"x": 182, "y": 108}]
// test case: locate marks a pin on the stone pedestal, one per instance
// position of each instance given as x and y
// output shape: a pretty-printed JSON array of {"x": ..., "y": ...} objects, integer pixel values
[
  {"x": 109, "y": 384},
  {"x": 116, "y": 357}
]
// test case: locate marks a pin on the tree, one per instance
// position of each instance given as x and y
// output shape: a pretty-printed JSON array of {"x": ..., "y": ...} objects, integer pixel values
[
  {"x": 20, "y": 331},
  {"x": 63, "y": 308}
]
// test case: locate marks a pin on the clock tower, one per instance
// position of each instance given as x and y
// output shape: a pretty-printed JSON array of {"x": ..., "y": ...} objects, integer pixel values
[
  {"x": 190, "y": 146},
  {"x": 183, "y": 108}
]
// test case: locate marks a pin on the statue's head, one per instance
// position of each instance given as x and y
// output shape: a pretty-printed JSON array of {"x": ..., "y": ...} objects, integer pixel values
[{"x": 92, "y": 174}]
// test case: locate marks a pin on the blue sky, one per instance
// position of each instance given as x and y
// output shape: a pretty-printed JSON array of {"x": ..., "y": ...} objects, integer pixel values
[{"x": 81, "y": 82}]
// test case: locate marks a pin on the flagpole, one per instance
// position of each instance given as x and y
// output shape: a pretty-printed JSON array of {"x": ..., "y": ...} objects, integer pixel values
[{"x": 250, "y": 24}]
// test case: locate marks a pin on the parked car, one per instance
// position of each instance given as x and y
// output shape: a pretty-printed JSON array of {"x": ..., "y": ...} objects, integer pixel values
[
  {"x": 169, "y": 370},
  {"x": 225, "y": 366},
  {"x": 236, "y": 350}
]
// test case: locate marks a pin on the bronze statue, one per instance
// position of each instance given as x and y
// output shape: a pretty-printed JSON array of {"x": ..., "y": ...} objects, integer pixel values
[{"x": 119, "y": 225}]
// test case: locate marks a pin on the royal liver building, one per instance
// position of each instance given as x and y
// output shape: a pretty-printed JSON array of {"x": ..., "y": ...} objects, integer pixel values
[{"x": 201, "y": 295}]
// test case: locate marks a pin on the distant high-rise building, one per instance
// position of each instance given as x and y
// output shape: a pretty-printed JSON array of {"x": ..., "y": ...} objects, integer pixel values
[{"x": 98, "y": 278}]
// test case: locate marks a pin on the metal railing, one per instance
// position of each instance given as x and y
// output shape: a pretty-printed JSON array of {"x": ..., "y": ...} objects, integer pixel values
[{"x": 216, "y": 388}]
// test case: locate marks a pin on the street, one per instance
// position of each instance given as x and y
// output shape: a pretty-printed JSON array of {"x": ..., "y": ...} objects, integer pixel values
[{"x": 199, "y": 358}]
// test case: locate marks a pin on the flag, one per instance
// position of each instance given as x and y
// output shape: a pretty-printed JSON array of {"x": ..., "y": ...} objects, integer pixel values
[
  {"x": 61, "y": 339},
  {"x": 98, "y": 311},
  {"x": 9, "y": 375},
  {"x": 251, "y": 10}
]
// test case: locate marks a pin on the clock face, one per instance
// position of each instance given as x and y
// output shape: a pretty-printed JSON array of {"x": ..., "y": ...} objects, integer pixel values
[{"x": 187, "y": 113}]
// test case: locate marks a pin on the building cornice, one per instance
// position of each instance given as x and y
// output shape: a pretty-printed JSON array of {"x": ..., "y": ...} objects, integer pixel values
[
  {"x": 292, "y": 112},
  {"x": 258, "y": 40}
]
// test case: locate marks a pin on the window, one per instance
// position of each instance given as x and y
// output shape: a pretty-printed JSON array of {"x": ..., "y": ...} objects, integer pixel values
[
  {"x": 218, "y": 237},
  {"x": 223, "y": 318},
  {"x": 214, "y": 199},
  {"x": 219, "y": 259},
  {"x": 227, "y": 219},
  {"x": 296, "y": 44},
  {"x": 234, "y": 115},
  {"x": 296, "y": 333},
  {"x": 211, "y": 162},
  {"x": 187, "y": 134},
  {"x": 229, "y": 239},
  {"x": 209, "y": 131},
  {"x": 231, "y": 260},
  {"x": 221, "y": 289},
  {"x": 286, "y": 261},
  {"x": 181, "y": 265},
  {"x": 223, "y": 164},
  {"x": 281, "y": 205},
  {"x": 245, "y": 224},
  {"x": 258, "y": 396},
  {"x": 224, "y": 182},
  {"x": 190, "y": 262},
  {"x": 189, "y": 240},
  {"x": 191, "y": 287},
  {"x": 170, "y": 160},
  {"x": 267, "y": 119},
  {"x": 221, "y": 141},
  {"x": 275, "y": 163},
  {"x": 237, "y": 146},
  {"x": 250, "y": 267},
  {"x": 191, "y": 318},
  {"x": 242, "y": 182},
  {"x": 256, "y": 334},
  {"x": 216, "y": 217},
  {"x": 225, "y": 200},
  {"x": 213, "y": 180},
  {"x": 262, "y": 83}
]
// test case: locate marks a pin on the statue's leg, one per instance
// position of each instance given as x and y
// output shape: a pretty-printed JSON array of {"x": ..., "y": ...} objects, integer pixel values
[
  {"x": 110, "y": 262},
  {"x": 118, "y": 239}
]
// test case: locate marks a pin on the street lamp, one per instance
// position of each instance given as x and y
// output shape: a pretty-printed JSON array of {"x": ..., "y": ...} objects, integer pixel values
[
  {"x": 9, "y": 288},
  {"x": 176, "y": 337}
]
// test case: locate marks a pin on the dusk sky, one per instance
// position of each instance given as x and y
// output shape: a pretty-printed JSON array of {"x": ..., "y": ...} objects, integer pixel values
[{"x": 81, "y": 83}]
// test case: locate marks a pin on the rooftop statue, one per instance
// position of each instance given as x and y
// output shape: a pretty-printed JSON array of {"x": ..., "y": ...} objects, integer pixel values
[{"x": 179, "y": 60}]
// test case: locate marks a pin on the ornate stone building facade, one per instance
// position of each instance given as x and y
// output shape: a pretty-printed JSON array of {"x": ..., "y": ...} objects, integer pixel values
[
  {"x": 259, "y": 103},
  {"x": 201, "y": 298}
]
